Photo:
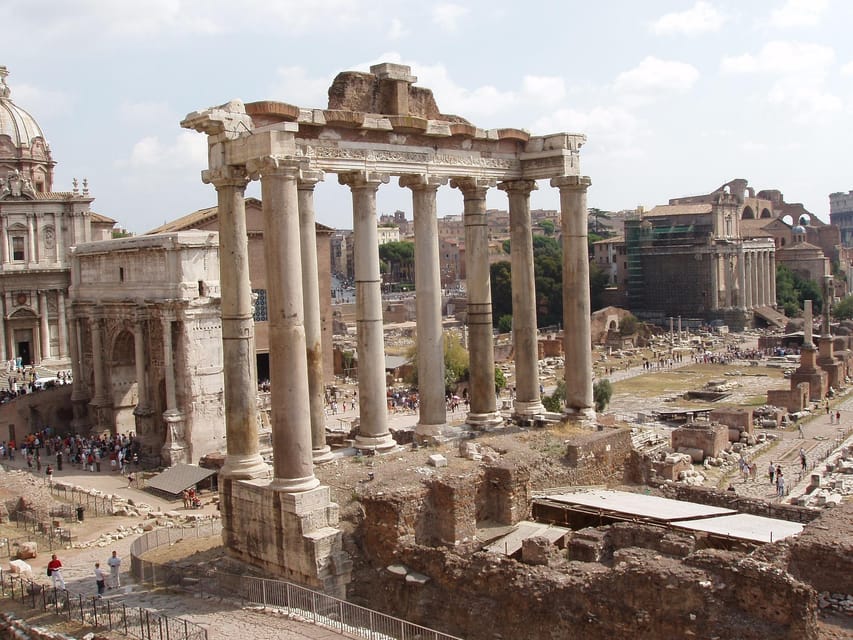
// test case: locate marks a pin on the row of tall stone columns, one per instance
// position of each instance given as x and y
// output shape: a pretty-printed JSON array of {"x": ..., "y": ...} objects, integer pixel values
[
  {"x": 293, "y": 307},
  {"x": 758, "y": 276}
]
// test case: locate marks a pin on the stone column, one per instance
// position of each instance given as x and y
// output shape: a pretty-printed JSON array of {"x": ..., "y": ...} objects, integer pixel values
[
  {"x": 31, "y": 239},
  {"x": 3, "y": 356},
  {"x": 320, "y": 451},
  {"x": 4, "y": 238},
  {"x": 756, "y": 283},
  {"x": 741, "y": 279},
  {"x": 141, "y": 361},
  {"x": 714, "y": 296},
  {"x": 174, "y": 445},
  {"x": 768, "y": 284},
  {"x": 577, "y": 339},
  {"x": 243, "y": 459},
  {"x": 432, "y": 420},
  {"x": 750, "y": 290},
  {"x": 62, "y": 325},
  {"x": 44, "y": 326},
  {"x": 290, "y": 407},
  {"x": 524, "y": 334},
  {"x": 483, "y": 411},
  {"x": 773, "y": 279},
  {"x": 372, "y": 407},
  {"x": 60, "y": 243},
  {"x": 97, "y": 361}
]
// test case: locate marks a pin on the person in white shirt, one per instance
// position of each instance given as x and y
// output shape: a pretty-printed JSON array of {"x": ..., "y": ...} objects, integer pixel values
[{"x": 115, "y": 563}]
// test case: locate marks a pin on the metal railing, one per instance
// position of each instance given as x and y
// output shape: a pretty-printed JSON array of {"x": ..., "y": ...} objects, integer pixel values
[
  {"x": 159, "y": 573},
  {"x": 42, "y": 529},
  {"x": 94, "y": 505},
  {"x": 319, "y": 608},
  {"x": 92, "y": 611}
]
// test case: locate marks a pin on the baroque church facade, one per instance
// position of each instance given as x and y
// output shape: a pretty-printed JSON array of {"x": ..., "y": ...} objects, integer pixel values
[{"x": 37, "y": 226}]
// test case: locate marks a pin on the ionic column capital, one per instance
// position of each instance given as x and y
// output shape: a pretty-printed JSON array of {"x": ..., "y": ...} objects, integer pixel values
[
  {"x": 273, "y": 165},
  {"x": 363, "y": 179},
  {"x": 231, "y": 176},
  {"x": 473, "y": 188},
  {"x": 572, "y": 183},
  {"x": 421, "y": 182},
  {"x": 308, "y": 179},
  {"x": 524, "y": 187}
]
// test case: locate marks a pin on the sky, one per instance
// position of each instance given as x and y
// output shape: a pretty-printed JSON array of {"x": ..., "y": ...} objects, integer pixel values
[{"x": 675, "y": 98}]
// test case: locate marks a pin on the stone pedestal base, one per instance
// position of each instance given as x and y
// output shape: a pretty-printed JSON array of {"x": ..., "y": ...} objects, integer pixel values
[
  {"x": 291, "y": 536},
  {"x": 483, "y": 421},
  {"x": 581, "y": 417},
  {"x": 245, "y": 467},
  {"x": 376, "y": 443},
  {"x": 430, "y": 431},
  {"x": 322, "y": 455},
  {"x": 527, "y": 409},
  {"x": 175, "y": 449}
]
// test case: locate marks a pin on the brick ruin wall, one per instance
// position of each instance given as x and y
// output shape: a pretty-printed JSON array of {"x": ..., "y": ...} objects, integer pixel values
[{"x": 641, "y": 582}]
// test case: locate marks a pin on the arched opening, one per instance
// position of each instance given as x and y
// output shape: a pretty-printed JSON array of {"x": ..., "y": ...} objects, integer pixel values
[
  {"x": 765, "y": 213},
  {"x": 748, "y": 213}
]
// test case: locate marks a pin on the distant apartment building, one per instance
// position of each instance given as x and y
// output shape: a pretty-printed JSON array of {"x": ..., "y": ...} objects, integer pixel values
[{"x": 841, "y": 215}]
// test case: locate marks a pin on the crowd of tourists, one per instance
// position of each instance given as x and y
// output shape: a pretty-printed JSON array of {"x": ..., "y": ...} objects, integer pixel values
[{"x": 94, "y": 453}]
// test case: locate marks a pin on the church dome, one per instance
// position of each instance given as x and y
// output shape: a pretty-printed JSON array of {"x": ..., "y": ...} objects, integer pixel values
[
  {"x": 23, "y": 147},
  {"x": 799, "y": 230}
]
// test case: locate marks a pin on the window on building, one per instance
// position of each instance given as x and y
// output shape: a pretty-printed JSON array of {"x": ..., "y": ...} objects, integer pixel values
[
  {"x": 261, "y": 314},
  {"x": 18, "y": 254}
]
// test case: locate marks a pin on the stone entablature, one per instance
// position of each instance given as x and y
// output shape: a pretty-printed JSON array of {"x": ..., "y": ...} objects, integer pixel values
[{"x": 146, "y": 338}]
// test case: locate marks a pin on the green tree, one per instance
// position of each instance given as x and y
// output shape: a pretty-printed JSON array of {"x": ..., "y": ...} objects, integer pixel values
[
  {"x": 505, "y": 323},
  {"x": 792, "y": 289},
  {"x": 400, "y": 258},
  {"x": 843, "y": 309},
  {"x": 455, "y": 362},
  {"x": 500, "y": 380},
  {"x": 547, "y": 227},
  {"x": 598, "y": 281},
  {"x": 554, "y": 402},
  {"x": 501, "y": 280},
  {"x": 628, "y": 325},
  {"x": 602, "y": 391}
]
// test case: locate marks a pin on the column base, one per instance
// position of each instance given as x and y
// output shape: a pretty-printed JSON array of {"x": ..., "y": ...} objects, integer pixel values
[
  {"x": 584, "y": 417},
  {"x": 322, "y": 455},
  {"x": 526, "y": 409},
  {"x": 295, "y": 485},
  {"x": 484, "y": 420},
  {"x": 377, "y": 443},
  {"x": 430, "y": 430},
  {"x": 245, "y": 467}
]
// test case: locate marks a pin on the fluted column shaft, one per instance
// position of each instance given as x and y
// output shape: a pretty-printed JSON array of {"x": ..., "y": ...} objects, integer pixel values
[
  {"x": 141, "y": 362},
  {"x": 524, "y": 334},
  {"x": 97, "y": 360},
  {"x": 242, "y": 459},
  {"x": 773, "y": 278},
  {"x": 3, "y": 352},
  {"x": 169, "y": 365},
  {"x": 44, "y": 326},
  {"x": 62, "y": 325},
  {"x": 430, "y": 341},
  {"x": 481, "y": 373},
  {"x": 320, "y": 451},
  {"x": 373, "y": 407},
  {"x": 577, "y": 338},
  {"x": 290, "y": 407},
  {"x": 755, "y": 281},
  {"x": 741, "y": 278},
  {"x": 714, "y": 294},
  {"x": 31, "y": 238}
]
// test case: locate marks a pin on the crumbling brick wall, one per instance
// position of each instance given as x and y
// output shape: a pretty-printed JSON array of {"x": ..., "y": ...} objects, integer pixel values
[
  {"x": 822, "y": 555},
  {"x": 599, "y": 453}
]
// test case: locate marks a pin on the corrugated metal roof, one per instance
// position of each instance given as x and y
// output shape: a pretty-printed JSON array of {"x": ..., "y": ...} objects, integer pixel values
[
  {"x": 175, "y": 479},
  {"x": 638, "y": 504},
  {"x": 744, "y": 526}
]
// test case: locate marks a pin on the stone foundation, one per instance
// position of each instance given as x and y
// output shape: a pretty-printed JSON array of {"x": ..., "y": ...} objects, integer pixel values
[
  {"x": 291, "y": 536},
  {"x": 708, "y": 438}
]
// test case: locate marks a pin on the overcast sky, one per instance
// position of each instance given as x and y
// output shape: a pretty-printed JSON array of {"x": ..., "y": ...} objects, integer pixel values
[{"x": 676, "y": 98}]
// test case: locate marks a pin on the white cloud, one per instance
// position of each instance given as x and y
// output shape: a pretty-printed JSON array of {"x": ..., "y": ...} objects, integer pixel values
[
  {"x": 145, "y": 113},
  {"x": 447, "y": 15},
  {"x": 703, "y": 17},
  {"x": 294, "y": 85},
  {"x": 847, "y": 69},
  {"x": 799, "y": 13},
  {"x": 547, "y": 89},
  {"x": 653, "y": 77},
  {"x": 611, "y": 131},
  {"x": 187, "y": 151},
  {"x": 39, "y": 102},
  {"x": 809, "y": 102},
  {"x": 782, "y": 57},
  {"x": 397, "y": 31}
]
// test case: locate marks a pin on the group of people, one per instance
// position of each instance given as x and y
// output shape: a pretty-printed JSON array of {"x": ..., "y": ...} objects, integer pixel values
[
  {"x": 191, "y": 498},
  {"x": 777, "y": 478},
  {"x": 54, "y": 570}
]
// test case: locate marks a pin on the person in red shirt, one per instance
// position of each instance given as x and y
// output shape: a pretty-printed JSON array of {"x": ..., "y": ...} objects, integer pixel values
[{"x": 54, "y": 569}]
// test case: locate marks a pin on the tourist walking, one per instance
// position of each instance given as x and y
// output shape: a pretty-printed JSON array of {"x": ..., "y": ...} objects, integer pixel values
[
  {"x": 780, "y": 483},
  {"x": 803, "y": 463},
  {"x": 54, "y": 570},
  {"x": 771, "y": 472},
  {"x": 100, "y": 579},
  {"x": 115, "y": 563}
]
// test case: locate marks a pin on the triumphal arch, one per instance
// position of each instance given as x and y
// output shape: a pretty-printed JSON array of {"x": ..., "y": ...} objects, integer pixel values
[{"x": 377, "y": 125}]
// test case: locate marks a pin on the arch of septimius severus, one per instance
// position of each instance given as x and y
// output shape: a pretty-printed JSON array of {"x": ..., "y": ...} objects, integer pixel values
[{"x": 377, "y": 125}]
